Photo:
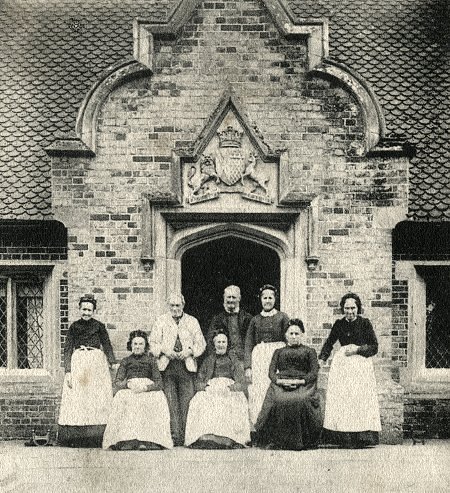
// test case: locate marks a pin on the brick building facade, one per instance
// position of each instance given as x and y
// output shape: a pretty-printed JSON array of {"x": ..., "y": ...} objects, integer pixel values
[{"x": 189, "y": 145}]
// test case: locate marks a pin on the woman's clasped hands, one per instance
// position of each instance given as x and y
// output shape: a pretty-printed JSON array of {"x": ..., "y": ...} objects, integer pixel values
[
  {"x": 351, "y": 349},
  {"x": 137, "y": 386}
]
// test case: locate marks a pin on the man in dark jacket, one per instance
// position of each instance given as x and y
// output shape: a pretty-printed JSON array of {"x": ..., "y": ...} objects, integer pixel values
[{"x": 232, "y": 320}]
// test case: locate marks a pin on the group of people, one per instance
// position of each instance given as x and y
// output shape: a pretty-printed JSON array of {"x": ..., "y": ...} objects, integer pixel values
[{"x": 256, "y": 384}]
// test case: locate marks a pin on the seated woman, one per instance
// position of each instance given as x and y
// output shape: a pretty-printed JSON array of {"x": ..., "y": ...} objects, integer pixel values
[
  {"x": 290, "y": 417},
  {"x": 218, "y": 413},
  {"x": 140, "y": 418}
]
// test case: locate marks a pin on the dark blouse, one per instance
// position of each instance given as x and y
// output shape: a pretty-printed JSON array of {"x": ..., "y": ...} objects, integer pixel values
[
  {"x": 90, "y": 333},
  {"x": 235, "y": 325},
  {"x": 359, "y": 332},
  {"x": 264, "y": 329},
  {"x": 294, "y": 362},
  {"x": 223, "y": 367},
  {"x": 227, "y": 365},
  {"x": 138, "y": 366}
]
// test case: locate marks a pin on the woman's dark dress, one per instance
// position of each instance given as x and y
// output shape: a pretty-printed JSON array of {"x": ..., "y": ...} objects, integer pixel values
[
  {"x": 360, "y": 332},
  {"x": 89, "y": 333},
  {"x": 134, "y": 366},
  {"x": 291, "y": 419},
  {"x": 264, "y": 329},
  {"x": 138, "y": 366}
]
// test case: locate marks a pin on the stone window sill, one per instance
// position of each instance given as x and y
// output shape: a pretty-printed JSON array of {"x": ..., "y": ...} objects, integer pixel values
[{"x": 24, "y": 375}]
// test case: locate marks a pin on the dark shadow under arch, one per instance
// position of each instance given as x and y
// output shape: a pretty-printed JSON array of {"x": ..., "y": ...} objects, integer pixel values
[{"x": 208, "y": 268}]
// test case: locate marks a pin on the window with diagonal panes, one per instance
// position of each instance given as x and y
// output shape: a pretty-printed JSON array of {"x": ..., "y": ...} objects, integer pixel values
[
  {"x": 437, "y": 325},
  {"x": 21, "y": 322}
]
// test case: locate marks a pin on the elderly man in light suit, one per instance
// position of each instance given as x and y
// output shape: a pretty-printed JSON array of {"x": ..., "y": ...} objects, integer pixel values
[{"x": 176, "y": 341}]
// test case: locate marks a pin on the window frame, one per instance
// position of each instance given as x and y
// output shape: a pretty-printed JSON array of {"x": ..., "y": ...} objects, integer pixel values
[
  {"x": 50, "y": 324},
  {"x": 416, "y": 374}
]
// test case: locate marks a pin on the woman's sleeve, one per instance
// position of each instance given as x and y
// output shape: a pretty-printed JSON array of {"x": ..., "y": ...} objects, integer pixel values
[
  {"x": 156, "y": 375},
  {"x": 238, "y": 370},
  {"x": 284, "y": 326},
  {"x": 120, "y": 382},
  {"x": 312, "y": 374},
  {"x": 274, "y": 366},
  {"x": 329, "y": 343},
  {"x": 68, "y": 349},
  {"x": 249, "y": 344},
  {"x": 370, "y": 348},
  {"x": 202, "y": 375},
  {"x": 106, "y": 344}
]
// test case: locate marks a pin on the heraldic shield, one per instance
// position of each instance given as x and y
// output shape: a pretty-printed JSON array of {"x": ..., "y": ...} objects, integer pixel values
[{"x": 230, "y": 164}]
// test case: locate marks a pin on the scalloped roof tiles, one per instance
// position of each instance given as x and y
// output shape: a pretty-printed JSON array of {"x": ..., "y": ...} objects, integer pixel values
[
  {"x": 399, "y": 47},
  {"x": 52, "y": 51}
]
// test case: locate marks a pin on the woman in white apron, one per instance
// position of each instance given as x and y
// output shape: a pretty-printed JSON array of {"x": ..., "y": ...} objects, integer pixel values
[
  {"x": 139, "y": 419},
  {"x": 265, "y": 334},
  {"x": 218, "y": 413},
  {"x": 87, "y": 388},
  {"x": 352, "y": 416}
]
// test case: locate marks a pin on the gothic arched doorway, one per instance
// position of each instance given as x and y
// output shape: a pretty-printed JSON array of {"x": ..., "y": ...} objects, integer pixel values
[{"x": 206, "y": 269}]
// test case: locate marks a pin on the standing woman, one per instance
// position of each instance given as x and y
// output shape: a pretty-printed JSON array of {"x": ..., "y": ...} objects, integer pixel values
[
  {"x": 265, "y": 334},
  {"x": 352, "y": 415},
  {"x": 87, "y": 389}
]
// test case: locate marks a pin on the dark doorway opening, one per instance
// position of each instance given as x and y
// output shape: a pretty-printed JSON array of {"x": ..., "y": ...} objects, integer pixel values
[{"x": 209, "y": 268}]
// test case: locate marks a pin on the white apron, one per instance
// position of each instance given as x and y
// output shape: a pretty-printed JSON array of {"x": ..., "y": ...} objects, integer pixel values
[
  {"x": 89, "y": 400},
  {"x": 351, "y": 400},
  {"x": 218, "y": 411},
  {"x": 261, "y": 357},
  {"x": 140, "y": 416}
]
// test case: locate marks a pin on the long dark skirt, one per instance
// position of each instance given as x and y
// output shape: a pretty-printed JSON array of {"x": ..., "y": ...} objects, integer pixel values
[
  {"x": 290, "y": 419},
  {"x": 208, "y": 442},
  {"x": 80, "y": 436},
  {"x": 350, "y": 439}
]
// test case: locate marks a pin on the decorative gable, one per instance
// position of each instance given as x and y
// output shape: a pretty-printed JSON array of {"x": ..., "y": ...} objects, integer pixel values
[{"x": 314, "y": 30}]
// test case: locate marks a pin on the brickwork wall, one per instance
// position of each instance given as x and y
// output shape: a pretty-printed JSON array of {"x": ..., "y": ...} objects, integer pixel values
[
  {"x": 428, "y": 416},
  {"x": 399, "y": 321},
  {"x": 32, "y": 253},
  {"x": 21, "y": 412}
]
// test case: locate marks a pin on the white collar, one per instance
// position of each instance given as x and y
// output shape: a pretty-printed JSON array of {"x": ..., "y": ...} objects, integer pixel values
[{"x": 269, "y": 314}]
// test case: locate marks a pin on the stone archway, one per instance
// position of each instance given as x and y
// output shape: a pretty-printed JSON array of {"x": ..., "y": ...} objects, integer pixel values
[
  {"x": 284, "y": 235},
  {"x": 206, "y": 269}
]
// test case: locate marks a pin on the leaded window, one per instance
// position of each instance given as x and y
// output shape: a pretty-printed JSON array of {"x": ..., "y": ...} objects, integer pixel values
[
  {"x": 437, "y": 324},
  {"x": 21, "y": 322}
]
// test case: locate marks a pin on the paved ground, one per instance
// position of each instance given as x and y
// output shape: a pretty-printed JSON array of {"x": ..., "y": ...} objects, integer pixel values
[{"x": 386, "y": 468}]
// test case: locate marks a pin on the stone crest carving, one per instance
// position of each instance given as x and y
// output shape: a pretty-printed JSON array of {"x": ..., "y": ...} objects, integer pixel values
[
  {"x": 200, "y": 176},
  {"x": 230, "y": 158},
  {"x": 228, "y": 167},
  {"x": 259, "y": 179}
]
